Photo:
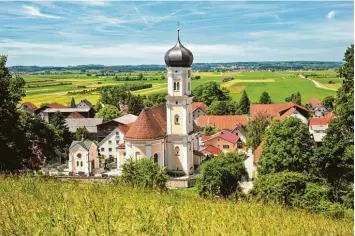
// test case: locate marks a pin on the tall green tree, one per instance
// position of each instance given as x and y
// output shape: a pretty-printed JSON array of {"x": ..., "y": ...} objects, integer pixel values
[
  {"x": 81, "y": 133},
  {"x": 222, "y": 108},
  {"x": 265, "y": 98},
  {"x": 256, "y": 128},
  {"x": 328, "y": 102},
  {"x": 108, "y": 112},
  {"x": 244, "y": 103},
  {"x": 287, "y": 147},
  {"x": 209, "y": 92},
  {"x": 63, "y": 135},
  {"x": 334, "y": 160},
  {"x": 295, "y": 98},
  {"x": 135, "y": 105},
  {"x": 72, "y": 103}
]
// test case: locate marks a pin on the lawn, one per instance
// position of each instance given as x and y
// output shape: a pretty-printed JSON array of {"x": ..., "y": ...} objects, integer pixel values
[
  {"x": 37, "y": 206},
  {"x": 279, "y": 85}
]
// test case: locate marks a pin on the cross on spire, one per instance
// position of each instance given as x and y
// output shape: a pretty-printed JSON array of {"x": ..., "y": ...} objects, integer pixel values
[{"x": 178, "y": 29}]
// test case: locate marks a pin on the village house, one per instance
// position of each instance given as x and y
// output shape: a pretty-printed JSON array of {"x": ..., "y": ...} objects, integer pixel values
[
  {"x": 84, "y": 104},
  {"x": 318, "y": 126},
  {"x": 280, "y": 111},
  {"x": 83, "y": 157},
  {"x": 107, "y": 127},
  {"x": 198, "y": 109},
  {"x": 223, "y": 141},
  {"x": 317, "y": 107},
  {"x": 89, "y": 123},
  {"x": 87, "y": 112},
  {"x": 28, "y": 106}
]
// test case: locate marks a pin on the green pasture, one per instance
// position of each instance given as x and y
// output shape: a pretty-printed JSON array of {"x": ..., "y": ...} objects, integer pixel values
[{"x": 278, "y": 84}]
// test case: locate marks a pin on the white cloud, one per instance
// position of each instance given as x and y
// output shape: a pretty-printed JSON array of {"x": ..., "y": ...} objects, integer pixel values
[
  {"x": 331, "y": 15},
  {"x": 33, "y": 11}
]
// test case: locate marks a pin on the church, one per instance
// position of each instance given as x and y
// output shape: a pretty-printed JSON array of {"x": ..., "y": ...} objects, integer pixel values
[{"x": 168, "y": 132}]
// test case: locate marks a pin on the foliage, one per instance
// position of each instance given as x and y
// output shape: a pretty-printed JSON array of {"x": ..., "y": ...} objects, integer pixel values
[
  {"x": 209, "y": 130},
  {"x": 287, "y": 147},
  {"x": 108, "y": 112},
  {"x": 221, "y": 175},
  {"x": 222, "y": 108},
  {"x": 295, "y": 98},
  {"x": 256, "y": 128},
  {"x": 328, "y": 102},
  {"x": 63, "y": 136},
  {"x": 72, "y": 103},
  {"x": 209, "y": 92},
  {"x": 81, "y": 133},
  {"x": 244, "y": 104},
  {"x": 135, "y": 104},
  {"x": 265, "y": 98},
  {"x": 334, "y": 160},
  {"x": 154, "y": 99},
  {"x": 143, "y": 173},
  {"x": 98, "y": 105},
  {"x": 90, "y": 209}
]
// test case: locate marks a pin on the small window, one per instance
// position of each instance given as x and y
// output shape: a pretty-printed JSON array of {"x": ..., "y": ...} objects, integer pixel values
[
  {"x": 188, "y": 86},
  {"x": 226, "y": 146},
  {"x": 117, "y": 141},
  {"x": 109, "y": 141},
  {"x": 177, "y": 150},
  {"x": 124, "y": 154},
  {"x": 81, "y": 163},
  {"x": 176, "y": 119},
  {"x": 156, "y": 158},
  {"x": 102, "y": 149},
  {"x": 178, "y": 86},
  {"x": 110, "y": 149},
  {"x": 79, "y": 155},
  {"x": 77, "y": 163},
  {"x": 174, "y": 86}
]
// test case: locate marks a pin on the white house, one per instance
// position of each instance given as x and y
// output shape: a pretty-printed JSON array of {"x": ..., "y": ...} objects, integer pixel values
[
  {"x": 108, "y": 146},
  {"x": 198, "y": 109},
  {"x": 83, "y": 157}
]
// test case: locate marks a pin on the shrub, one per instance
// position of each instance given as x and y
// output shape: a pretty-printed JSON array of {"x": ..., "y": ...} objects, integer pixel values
[
  {"x": 221, "y": 175},
  {"x": 284, "y": 187},
  {"x": 143, "y": 173}
]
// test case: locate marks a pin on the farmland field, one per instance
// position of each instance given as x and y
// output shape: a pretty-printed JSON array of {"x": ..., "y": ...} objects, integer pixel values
[
  {"x": 35, "y": 206},
  {"x": 278, "y": 84}
]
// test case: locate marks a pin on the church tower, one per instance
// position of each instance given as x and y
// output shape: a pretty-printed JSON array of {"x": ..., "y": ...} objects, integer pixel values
[{"x": 180, "y": 128}]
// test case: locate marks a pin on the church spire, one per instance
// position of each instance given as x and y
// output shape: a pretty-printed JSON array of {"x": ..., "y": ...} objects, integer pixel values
[{"x": 178, "y": 31}]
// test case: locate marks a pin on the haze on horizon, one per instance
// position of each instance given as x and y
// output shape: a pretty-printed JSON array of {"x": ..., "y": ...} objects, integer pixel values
[{"x": 139, "y": 33}]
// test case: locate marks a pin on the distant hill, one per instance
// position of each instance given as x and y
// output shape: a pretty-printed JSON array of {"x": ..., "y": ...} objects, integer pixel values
[{"x": 269, "y": 65}]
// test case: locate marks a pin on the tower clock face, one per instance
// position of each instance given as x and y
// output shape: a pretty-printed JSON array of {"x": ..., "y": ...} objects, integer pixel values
[{"x": 189, "y": 73}]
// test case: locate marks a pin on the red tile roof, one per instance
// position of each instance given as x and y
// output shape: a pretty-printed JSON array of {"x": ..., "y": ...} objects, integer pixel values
[
  {"x": 125, "y": 128},
  {"x": 226, "y": 135},
  {"x": 314, "y": 102},
  {"x": 258, "y": 152},
  {"x": 55, "y": 105},
  {"x": 275, "y": 110},
  {"x": 75, "y": 115},
  {"x": 222, "y": 122},
  {"x": 150, "y": 124},
  {"x": 325, "y": 120},
  {"x": 210, "y": 149},
  {"x": 30, "y": 106},
  {"x": 200, "y": 105}
]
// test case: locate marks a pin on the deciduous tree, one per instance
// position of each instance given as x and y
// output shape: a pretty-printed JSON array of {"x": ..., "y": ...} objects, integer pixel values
[
  {"x": 108, "y": 112},
  {"x": 209, "y": 92},
  {"x": 256, "y": 129}
]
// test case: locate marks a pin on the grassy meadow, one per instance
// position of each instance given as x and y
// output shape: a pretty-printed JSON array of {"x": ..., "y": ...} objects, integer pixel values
[
  {"x": 279, "y": 84},
  {"x": 37, "y": 206}
]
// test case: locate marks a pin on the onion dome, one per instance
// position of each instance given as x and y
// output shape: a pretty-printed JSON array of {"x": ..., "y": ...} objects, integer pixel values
[{"x": 179, "y": 56}]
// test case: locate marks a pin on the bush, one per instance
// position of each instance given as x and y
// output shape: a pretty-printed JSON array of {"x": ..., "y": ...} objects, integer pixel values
[
  {"x": 143, "y": 173},
  {"x": 221, "y": 175},
  {"x": 284, "y": 188}
]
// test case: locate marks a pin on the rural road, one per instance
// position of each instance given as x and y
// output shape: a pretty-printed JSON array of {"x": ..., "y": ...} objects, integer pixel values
[{"x": 318, "y": 85}]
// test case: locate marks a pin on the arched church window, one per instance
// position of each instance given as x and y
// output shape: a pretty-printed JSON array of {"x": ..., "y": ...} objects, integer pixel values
[
  {"x": 188, "y": 86},
  {"x": 178, "y": 86},
  {"x": 156, "y": 158},
  {"x": 174, "y": 86},
  {"x": 177, "y": 150},
  {"x": 176, "y": 119},
  {"x": 81, "y": 163},
  {"x": 77, "y": 163}
]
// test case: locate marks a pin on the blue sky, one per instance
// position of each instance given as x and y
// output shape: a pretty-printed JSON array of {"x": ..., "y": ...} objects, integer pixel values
[{"x": 135, "y": 32}]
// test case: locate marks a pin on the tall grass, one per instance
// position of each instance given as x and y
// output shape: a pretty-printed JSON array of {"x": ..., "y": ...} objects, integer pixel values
[{"x": 34, "y": 206}]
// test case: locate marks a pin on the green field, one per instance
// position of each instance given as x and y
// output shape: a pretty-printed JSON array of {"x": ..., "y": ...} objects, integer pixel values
[
  {"x": 37, "y": 206},
  {"x": 278, "y": 84}
]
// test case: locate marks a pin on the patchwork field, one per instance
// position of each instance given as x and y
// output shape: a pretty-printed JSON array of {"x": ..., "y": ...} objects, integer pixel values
[
  {"x": 279, "y": 84},
  {"x": 38, "y": 206}
]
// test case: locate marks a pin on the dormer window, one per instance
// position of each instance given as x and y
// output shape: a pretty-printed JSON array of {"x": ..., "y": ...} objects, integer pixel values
[{"x": 176, "y": 119}]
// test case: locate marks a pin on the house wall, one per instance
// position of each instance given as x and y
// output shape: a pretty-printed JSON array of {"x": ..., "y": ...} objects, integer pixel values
[
  {"x": 116, "y": 140},
  {"x": 197, "y": 113},
  {"x": 300, "y": 116},
  {"x": 93, "y": 157},
  {"x": 146, "y": 150},
  {"x": 77, "y": 164},
  {"x": 219, "y": 142}
]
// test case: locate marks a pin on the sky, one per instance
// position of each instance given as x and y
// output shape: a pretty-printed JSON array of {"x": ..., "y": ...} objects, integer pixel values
[{"x": 63, "y": 33}]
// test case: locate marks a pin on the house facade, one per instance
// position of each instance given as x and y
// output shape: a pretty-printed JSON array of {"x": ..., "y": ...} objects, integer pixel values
[
  {"x": 83, "y": 157},
  {"x": 198, "y": 109}
]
